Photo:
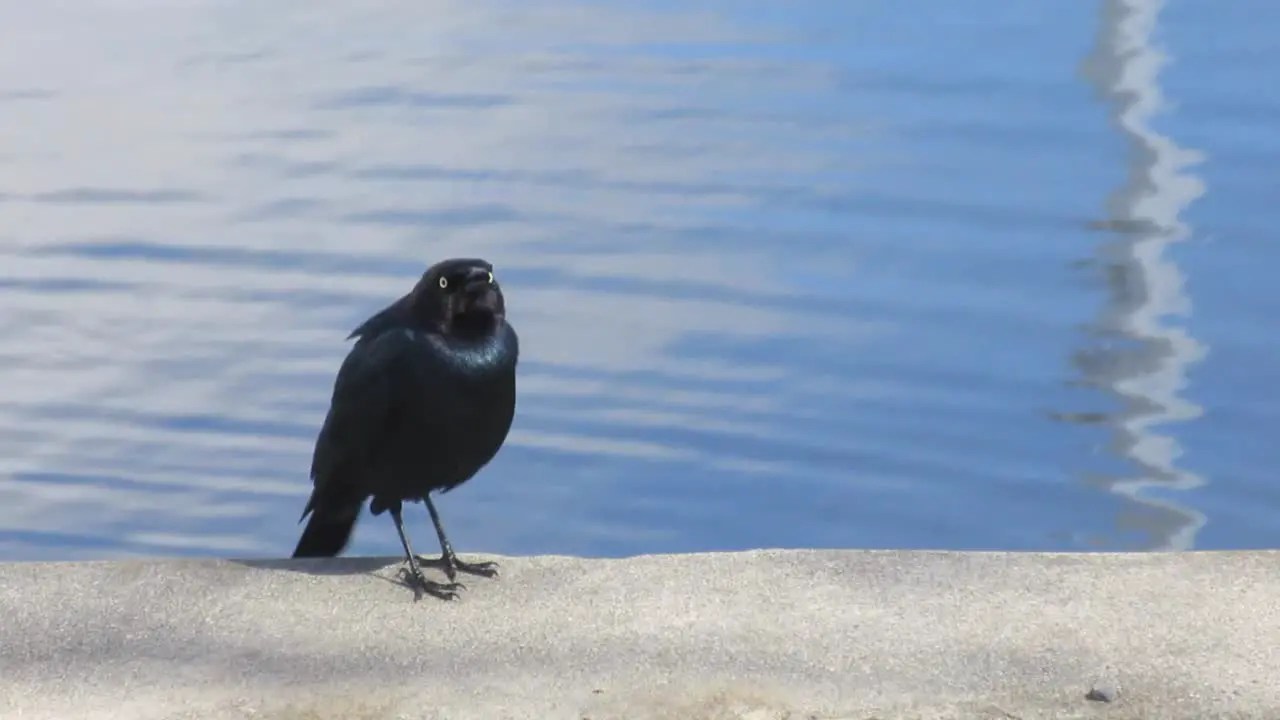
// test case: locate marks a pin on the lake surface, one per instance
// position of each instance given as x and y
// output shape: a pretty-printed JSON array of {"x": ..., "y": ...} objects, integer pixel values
[{"x": 828, "y": 273}]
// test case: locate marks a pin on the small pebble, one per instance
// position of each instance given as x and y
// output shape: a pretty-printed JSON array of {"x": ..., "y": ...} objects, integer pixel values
[{"x": 1101, "y": 693}]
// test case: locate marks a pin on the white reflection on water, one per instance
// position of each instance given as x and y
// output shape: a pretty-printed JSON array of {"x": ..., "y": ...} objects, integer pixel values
[
  {"x": 1147, "y": 287},
  {"x": 199, "y": 199}
]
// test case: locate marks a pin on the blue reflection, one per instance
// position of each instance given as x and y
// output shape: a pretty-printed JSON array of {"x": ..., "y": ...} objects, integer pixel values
[{"x": 784, "y": 274}]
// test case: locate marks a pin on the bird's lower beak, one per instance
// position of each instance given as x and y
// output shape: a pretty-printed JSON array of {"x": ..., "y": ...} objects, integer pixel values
[{"x": 479, "y": 295}]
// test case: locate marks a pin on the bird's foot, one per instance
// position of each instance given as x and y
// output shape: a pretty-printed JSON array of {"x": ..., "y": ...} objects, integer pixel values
[
  {"x": 451, "y": 566},
  {"x": 414, "y": 578}
]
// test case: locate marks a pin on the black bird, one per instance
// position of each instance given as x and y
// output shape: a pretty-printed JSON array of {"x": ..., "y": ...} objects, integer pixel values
[{"x": 423, "y": 401}]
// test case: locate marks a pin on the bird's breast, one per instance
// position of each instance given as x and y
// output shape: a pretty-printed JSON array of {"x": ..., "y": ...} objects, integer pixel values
[{"x": 467, "y": 405}]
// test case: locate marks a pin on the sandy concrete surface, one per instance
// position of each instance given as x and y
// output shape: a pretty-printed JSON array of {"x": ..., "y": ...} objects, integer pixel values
[{"x": 758, "y": 635}]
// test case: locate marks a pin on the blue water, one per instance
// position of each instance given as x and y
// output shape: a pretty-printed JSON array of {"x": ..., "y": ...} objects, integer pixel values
[{"x": 819, "y": 273}]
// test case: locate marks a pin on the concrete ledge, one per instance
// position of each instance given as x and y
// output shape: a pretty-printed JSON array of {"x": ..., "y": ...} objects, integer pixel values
[{"x": 770, "y": 634}]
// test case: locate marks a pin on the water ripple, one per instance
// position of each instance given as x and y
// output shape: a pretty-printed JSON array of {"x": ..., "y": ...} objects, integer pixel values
[{"x": 810, "y": 275}]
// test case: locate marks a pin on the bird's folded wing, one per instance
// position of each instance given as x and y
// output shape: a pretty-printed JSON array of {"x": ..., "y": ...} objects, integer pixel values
[{"x": 364, "y": 402}]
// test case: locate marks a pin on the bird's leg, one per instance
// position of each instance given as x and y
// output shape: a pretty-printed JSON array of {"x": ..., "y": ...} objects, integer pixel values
[
  {"x": 448, "y": 560},
  {"x": 420, "y": 583}
]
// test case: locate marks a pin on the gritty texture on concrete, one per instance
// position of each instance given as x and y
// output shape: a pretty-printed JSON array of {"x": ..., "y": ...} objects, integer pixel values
[{"x": 759, "y": 635}]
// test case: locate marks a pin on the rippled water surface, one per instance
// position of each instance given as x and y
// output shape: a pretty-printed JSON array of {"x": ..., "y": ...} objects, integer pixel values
[{"x": 822, "y": 273}]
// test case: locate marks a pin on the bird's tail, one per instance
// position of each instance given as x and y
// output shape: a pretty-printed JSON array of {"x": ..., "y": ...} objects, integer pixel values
[{"x": 328, "y": 531}]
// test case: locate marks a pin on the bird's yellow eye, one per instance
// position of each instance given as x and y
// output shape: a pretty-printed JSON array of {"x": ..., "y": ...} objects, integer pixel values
[
  {"x": 444, "y": 283},
  {"x": 490, "y": 277}
]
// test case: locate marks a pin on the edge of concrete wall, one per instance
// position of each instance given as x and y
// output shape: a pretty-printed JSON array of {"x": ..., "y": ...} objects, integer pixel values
[{"x": 764, "y": 634}]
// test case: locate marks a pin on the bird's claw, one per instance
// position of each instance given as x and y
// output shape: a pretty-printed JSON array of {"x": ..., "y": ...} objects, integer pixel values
[
  {"x": 451, "y": 569},
  {"x": 421, "y": 585}
]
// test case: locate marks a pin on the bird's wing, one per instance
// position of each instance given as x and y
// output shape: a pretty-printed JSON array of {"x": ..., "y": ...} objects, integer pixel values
[{"x": 364, "y": 404}]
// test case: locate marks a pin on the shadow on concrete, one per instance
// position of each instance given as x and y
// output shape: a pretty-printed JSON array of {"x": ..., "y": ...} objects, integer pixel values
[{"x": 370, "y": 566}]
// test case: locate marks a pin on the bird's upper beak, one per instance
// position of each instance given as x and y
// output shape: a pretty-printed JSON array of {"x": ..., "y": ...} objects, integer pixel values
[{"x": 479, "y": 293}]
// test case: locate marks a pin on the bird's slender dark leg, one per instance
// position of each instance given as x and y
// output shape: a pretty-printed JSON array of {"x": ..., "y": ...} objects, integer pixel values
[
  {"x": 448, "y": 560},
  {"x": 420, "y": 583}
]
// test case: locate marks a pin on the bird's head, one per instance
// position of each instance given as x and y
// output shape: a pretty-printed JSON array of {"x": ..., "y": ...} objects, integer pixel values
[{"x": 459, "y": 297}]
